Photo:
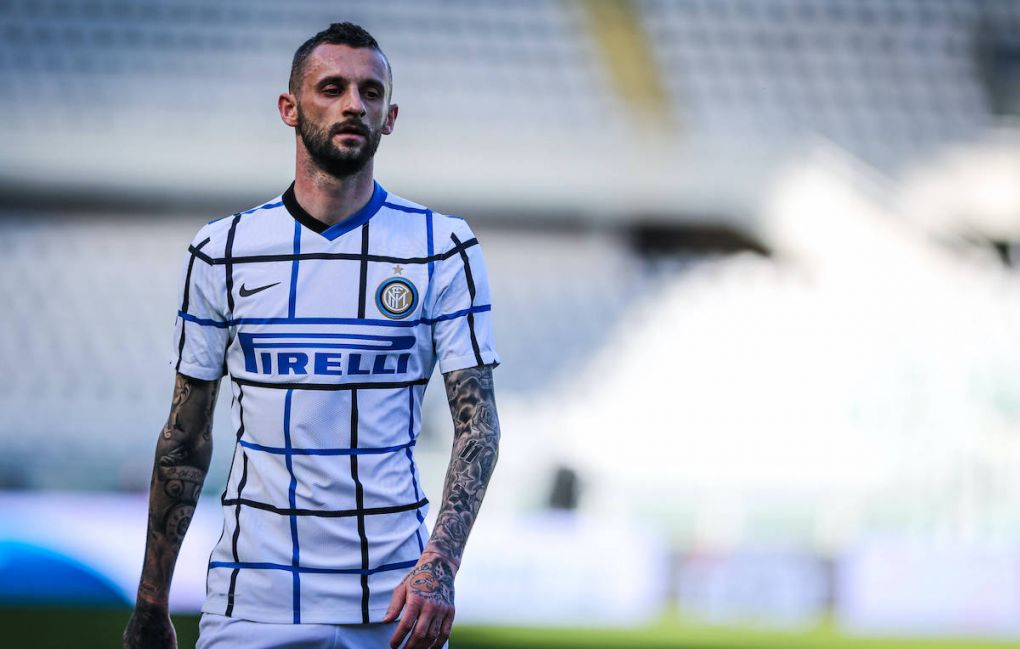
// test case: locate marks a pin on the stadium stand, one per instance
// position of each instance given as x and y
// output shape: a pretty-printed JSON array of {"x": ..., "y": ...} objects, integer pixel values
[
  {"x": 747, "y": 82},
  {"x": 513, "y": 113}
]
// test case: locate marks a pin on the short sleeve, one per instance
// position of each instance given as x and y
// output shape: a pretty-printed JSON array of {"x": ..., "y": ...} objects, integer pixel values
[
  {"x": 201, "y": 335},
  {"x": 462, "y": 315}
]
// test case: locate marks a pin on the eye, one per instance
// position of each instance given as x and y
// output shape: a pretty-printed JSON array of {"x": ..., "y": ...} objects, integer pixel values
[{"x": 331, "y": 91}]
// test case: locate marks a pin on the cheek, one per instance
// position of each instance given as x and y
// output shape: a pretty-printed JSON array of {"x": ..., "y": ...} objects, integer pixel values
[{"x": 315, "y": 122}]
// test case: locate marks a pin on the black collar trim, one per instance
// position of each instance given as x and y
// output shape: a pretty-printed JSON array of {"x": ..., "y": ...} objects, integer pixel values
[
  {"x": 299, "y": 213},
  {"x": 331, "y": 232}
]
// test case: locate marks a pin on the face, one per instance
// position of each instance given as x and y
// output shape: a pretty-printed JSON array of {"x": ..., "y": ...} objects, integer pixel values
[{"x": 341, "y": 109}]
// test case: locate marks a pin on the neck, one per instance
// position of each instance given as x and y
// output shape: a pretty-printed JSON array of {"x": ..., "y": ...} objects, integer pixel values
[{"x": 328, "y": 198}]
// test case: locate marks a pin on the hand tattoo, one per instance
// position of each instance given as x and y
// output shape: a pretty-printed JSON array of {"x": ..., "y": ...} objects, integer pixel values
[
  {"x": 149, "y": 626},
  {"x": 431, "y": 580}
]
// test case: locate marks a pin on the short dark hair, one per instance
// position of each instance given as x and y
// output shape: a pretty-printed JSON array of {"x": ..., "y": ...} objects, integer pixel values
[{"x": 336, "y": 34}]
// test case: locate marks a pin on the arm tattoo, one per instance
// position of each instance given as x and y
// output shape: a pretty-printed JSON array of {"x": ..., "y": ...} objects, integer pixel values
[
  {"x": 183, "y": 451},
  {"x": 475, "y": 449}
]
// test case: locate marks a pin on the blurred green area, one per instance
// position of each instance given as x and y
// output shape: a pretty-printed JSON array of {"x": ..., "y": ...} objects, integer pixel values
[{"x": 46, "y": 628}]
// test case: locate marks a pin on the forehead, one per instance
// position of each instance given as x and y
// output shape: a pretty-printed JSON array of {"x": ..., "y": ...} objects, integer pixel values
[{"x": 352, "y": 63}]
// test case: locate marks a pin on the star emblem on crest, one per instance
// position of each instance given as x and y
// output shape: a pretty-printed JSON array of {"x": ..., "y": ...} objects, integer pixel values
[{"x": 398, "y": 269}]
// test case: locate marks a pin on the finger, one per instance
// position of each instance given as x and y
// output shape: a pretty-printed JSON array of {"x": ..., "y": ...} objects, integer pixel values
[
  {"x": 407, "y": 621},
  {"x": 422, "y": 634},
  {"x": 446, "y": 629},
  {"x": 435, "y": 639},
  {"x": 441, "y": 628},
  {"x": 396, "y": 602}
]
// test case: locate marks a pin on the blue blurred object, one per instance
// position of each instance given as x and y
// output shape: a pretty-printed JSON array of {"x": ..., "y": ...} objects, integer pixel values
[{"x": 30, "y": 574}]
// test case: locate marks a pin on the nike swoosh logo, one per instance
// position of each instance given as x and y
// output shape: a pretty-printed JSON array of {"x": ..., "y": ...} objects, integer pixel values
[{"x": 244, "y": 292}]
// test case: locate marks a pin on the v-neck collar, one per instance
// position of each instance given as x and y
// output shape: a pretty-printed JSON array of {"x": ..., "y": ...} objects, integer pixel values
[{"x": 331, "y": 232}]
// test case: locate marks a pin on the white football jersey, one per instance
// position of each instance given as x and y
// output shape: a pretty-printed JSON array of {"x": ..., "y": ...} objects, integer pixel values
[{"x": 329, "y": 335}]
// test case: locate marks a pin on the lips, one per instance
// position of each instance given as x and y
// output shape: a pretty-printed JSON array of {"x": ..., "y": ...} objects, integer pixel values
[{"x": 351, "y": 129}]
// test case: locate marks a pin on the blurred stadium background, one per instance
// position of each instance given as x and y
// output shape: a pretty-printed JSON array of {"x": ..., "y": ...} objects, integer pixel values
[{"x": 754, "y": 265}]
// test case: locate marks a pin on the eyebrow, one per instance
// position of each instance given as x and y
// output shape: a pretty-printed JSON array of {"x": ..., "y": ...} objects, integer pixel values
[{"x": 341, "y": 80}]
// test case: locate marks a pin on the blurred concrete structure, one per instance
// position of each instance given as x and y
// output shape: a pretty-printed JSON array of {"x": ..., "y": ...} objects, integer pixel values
[
  {"x": 753, "y": 261},
  {"x": 515, "y": 108}
]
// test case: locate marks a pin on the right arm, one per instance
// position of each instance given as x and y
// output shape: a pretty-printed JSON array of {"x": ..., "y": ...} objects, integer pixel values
[{"x": 183, "y": 452}]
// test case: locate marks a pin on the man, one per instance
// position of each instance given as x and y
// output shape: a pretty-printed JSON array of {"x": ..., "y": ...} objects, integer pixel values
[{"x": 328, "y": 307}]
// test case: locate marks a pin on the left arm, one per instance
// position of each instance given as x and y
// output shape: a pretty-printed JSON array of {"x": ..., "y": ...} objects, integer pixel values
[{"x": 426, "y": 593}]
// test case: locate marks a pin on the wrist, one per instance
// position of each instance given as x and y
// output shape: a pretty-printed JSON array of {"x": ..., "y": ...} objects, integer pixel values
[
  {"x": 432, "y": 553},
  {"x": 150, "y": 598}
]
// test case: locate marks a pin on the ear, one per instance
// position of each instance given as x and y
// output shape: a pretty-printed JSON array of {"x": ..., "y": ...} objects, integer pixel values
[
  {"x": 391, "y": 118},
  {"x": 287, "y": 105}
]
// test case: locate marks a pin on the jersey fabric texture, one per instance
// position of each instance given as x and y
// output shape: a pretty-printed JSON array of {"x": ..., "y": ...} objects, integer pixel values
[
  {"x": 329, "y": 336},
  {"x": 219, "y": 632}
]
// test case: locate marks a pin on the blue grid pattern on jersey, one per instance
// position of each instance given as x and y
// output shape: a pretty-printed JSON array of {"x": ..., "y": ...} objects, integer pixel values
[{"x": 288, "y": 451}]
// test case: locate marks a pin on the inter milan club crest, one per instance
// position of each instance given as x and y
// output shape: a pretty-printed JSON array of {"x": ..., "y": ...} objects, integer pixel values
[{"x": 396, "y": 297}]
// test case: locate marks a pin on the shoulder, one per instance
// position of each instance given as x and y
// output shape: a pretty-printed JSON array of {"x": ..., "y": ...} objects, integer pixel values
[
  {"x": 447, "y": 229},
  {"x": 453, "y": 232},
  {"x": 211, "y": 239},
  {"x": 401, "y": 204}
]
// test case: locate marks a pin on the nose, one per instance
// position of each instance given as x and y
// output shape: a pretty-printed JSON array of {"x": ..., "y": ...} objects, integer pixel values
[{"x": 352, "y": 102}]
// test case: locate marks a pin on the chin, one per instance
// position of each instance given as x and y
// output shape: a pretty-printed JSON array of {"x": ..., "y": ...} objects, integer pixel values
[{"x": 349, "y": 151}]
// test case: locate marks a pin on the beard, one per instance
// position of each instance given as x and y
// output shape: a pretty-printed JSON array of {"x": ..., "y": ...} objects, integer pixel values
[{"x": 333, "y": 160}]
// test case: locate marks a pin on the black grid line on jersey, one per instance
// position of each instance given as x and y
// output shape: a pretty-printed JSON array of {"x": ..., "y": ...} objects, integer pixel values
[
  {"x": 227, "y": 265},
  {"x": 292, "y": 300},
  {"x": 471, "y": 291},
  {"x": 185, "y": 298},
  {"x": 371, "y": 322},
  {"x": 363, "y": 272},
  {"x": 235, "y": 537},
  {"x": 359, "y": 499},
  {"x": 326, "y": 513},
  {"x": 334, "y": 256},
  {"x": 229, "y": 280}
]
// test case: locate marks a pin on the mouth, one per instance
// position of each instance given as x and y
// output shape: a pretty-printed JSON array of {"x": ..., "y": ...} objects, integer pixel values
[{"x": 351, "y": 131}]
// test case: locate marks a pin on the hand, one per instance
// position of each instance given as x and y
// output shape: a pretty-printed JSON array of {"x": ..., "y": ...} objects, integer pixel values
[
  {"x": 150, "y": 628},
  {"x": 426, "y": 597}
]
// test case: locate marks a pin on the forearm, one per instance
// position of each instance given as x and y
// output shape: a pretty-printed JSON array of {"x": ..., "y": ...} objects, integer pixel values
[
  {"x": 183, "y": 452},
  {"x": 475, "y": 450}
]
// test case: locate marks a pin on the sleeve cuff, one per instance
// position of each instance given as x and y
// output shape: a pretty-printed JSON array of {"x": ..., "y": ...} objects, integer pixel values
[
  {"x": 489, "y": 357},
  {"x": 197, "y": 371}
]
